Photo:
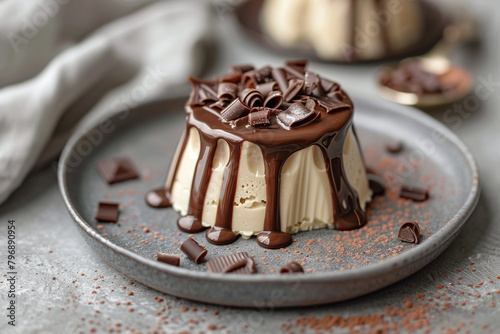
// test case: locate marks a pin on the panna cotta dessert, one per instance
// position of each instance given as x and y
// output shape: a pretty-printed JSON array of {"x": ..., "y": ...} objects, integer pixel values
[
  {"x": 345, "y": 30},
  {"x": 266, "y": 152}
]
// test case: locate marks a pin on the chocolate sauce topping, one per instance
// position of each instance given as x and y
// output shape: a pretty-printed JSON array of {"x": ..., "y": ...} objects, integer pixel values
[{"x": 311, "y": 111}]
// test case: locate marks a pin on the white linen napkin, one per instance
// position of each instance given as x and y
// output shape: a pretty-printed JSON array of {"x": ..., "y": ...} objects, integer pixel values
[{"x": 63, "y": 59}]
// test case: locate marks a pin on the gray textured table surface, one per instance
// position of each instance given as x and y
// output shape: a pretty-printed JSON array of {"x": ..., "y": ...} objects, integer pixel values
[{"x": 64, "y": 287}]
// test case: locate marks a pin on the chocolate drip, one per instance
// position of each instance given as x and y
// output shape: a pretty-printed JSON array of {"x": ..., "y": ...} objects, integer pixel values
[
  {"x": 222, "y": 232},
  {"x": 347, "y": 213},
  {"x": 191, "y": 223},
  {"x": 272, "y": 237}
]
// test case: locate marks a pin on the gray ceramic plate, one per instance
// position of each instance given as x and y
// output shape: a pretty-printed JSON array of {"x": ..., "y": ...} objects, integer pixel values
[{"x": 340, "y": 265}]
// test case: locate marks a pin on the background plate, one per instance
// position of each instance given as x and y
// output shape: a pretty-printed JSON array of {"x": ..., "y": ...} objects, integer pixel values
[
  {"x": 248, "y": 18},
  {"x": 340, "y": 265}
]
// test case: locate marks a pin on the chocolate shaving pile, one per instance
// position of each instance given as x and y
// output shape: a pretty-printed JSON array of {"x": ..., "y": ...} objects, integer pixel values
[
  {"x": 411, "y": 77},
  {"x": 289, "y": 96}
]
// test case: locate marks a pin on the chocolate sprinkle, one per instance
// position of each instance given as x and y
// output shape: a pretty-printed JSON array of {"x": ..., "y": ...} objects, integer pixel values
[
  {"x": 291, "y": 268},
  {"x": 409, "y": 232},
  {"x": 107, "y": 212},
  {"x": 413, "y": 193},
  {"x": 192, "y": 249},
  {"x": 116, "y": 170},
  {"x": 234, "y": 110},
  {"x": 297, "y": 114},
  {"x": 171, "y": 259},
  {"x": 239, "y": 263}
]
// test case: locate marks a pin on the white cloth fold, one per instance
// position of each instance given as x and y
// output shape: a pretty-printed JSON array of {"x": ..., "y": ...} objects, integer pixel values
[{"x": 67, "y": 67}]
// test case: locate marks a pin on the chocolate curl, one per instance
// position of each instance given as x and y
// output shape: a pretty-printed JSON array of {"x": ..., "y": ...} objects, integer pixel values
[
  {"x": 239, "y": 263},
  {"x": 261, "y": 117},
  {"x": 192, "y": 249},
  {"x": 251, "y": 97},
  {"x": 313, "y": 106},
  {"x": 296, "y": 115},
  {"x": 227, "y": 91},
  {"x": 266, "y": 88},
  {"x": 221, "y": 104},
  {"x": 253, "y": 78},
  {"x": 280, "y": 76},
  {"x": 297, "y": 63},
  {"x": 415, "y": 194},
  {"x": 313, "y": 84},
  {"x": 291, "y": 268},
  {"x": 202, "y": 91},
  {"x": 235, "y": 72},
  {"x": 409, "y": 232},
  {"x": 294, "y": 87},
  {"x": 329, "y": 86},
  {"x": 294, "y": 71},
  {"x": 234, "y": 110},
  {"x": 171, "y": 259},
  {"x": 334, "y": 102},
  {"x": 242, "y": 68},
  {"x": 232, "y": 77},
  {"x": 273, "y": 100}
]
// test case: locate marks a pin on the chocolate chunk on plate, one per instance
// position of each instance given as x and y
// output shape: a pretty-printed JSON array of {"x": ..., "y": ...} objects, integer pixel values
[
  {"x": 171, "y": 259},
  {"x": 117, "y": 170},
  {"x": 376, "y": 184},
  {"x": 409, "y": 232},
  {"x": 414, "y": 193},
  {"x": 394, "y": 147},
  {"x": 192, "y": 249},
  {"x": 291, "y": 268},
  {"x": 238, "y": 263},
  {"x": 107, "y": 212}
]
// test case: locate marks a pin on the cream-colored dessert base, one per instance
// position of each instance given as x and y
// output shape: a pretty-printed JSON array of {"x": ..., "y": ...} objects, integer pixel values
[
  {"x": 305, "y": 195},
  {"x": 326, "y": 24}
]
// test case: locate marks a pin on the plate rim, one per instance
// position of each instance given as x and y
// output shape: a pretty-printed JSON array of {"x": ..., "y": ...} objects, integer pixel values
[{"x": 376, "y": 269}]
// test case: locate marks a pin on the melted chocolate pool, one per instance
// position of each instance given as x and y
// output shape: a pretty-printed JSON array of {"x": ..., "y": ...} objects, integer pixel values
[{"x": 310, "y": 111}]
